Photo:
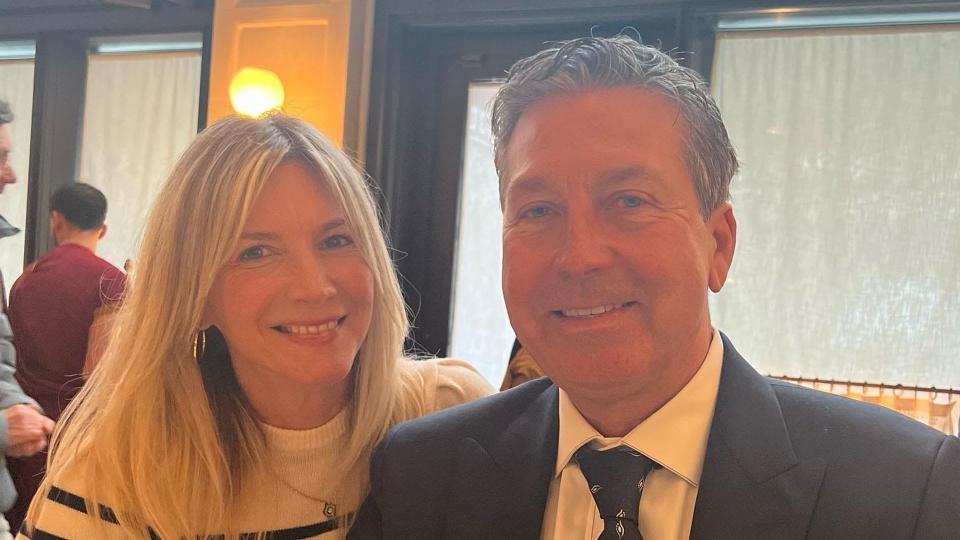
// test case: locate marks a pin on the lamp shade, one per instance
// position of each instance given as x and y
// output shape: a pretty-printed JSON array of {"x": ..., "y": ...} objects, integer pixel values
[{"x": 254, "y": 91}]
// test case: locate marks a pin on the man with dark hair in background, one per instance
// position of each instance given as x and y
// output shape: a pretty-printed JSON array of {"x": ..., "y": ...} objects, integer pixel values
[
  {"x": 52, "y": 309},
  {"x": 23, "y": 430}
]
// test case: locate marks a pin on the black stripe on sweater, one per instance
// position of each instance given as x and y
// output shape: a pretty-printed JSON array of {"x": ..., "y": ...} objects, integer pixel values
[{"x": 76, "y": 502}]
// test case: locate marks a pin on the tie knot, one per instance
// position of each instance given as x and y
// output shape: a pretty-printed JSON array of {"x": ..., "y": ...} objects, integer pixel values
[{"x": 615, "y": 478}]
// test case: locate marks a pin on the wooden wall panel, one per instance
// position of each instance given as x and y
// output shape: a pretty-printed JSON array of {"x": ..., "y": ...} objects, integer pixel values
[{"x": 305, "y": 43}]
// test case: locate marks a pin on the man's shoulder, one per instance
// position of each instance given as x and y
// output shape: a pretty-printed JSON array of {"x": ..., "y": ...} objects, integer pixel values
[
  {"x": 818, "y": 422},
  {"x": 85, "y": 269},
  {"x": 477, "y": 419},
  {"x": 69, "y": 258},
  {"x": 817, "y": 419},
  {"x": 95, "y": 263}
]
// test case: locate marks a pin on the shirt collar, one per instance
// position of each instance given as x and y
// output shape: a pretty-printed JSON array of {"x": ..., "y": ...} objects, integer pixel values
[{"x": 675, "y": 436}]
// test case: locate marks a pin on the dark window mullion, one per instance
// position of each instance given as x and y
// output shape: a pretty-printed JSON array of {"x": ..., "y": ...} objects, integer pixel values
[{"x": 60, "y": 79}]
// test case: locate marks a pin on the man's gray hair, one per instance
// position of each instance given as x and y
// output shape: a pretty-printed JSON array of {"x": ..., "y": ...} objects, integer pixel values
[
  {"x": 6, "y": 115},
  {"x": 593, "y": 62}
]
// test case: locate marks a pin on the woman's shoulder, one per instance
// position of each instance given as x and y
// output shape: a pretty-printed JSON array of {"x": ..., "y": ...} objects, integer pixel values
[
  {"x": 61, "y": 510},
  {"x": 445, "y": 382}
]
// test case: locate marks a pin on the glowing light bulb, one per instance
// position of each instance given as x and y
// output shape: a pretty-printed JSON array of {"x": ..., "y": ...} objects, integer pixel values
[{"x": 254, "y": 91}]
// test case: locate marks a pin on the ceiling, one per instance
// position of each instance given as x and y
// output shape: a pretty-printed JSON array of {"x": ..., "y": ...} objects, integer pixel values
[{"x": 17, "y": 7}]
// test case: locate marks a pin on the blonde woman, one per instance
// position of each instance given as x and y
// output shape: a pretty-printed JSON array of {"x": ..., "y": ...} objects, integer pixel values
[{"x": 256, "y": 360}]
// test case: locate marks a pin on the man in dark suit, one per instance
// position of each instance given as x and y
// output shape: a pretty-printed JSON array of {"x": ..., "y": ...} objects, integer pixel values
[{"x": 614, "y": 177}]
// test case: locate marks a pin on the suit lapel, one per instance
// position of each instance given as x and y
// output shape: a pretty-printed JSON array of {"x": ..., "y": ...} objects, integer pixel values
[
  {"x": 502, "y": 480},
  {"x": 753, "y": 484}
]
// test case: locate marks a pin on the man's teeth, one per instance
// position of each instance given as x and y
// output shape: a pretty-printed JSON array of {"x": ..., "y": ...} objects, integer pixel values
[
  {"x": 315, "y": 329},
  {"x": 587, "y": 312}
]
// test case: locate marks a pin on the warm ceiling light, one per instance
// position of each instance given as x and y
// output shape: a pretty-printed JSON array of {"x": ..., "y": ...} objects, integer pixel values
[{"x": 254, "y": 91}]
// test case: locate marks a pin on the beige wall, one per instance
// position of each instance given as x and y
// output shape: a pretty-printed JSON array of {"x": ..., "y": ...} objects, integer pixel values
[{"x": 308, "y": 44}]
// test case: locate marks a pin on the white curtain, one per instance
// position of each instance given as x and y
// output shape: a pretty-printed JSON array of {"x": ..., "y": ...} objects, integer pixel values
[
  {"x": 848, "y": 202},
  {"x": 140, "y": 113},
  {"x": 16, "y": 88}
]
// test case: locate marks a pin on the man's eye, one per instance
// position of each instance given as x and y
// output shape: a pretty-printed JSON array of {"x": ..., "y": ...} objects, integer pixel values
[
  {"x": 631, "y": 201},
  {"x": 536, "y": 212},
  {"x": 253, "y": 253},
  {"x": 336, "y": 241}
]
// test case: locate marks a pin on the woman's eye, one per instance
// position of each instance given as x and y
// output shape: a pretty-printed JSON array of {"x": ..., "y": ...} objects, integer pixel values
[
  {"x": 252, "y": 253},
  {"x": 337, "y": 241}
]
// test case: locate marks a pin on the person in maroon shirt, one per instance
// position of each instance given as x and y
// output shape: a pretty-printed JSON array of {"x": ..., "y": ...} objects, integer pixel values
[{"x": 52, "y": 308}]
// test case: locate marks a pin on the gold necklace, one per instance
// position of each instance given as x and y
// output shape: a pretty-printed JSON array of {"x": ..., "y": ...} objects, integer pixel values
[{"x": 329, "y": 508}]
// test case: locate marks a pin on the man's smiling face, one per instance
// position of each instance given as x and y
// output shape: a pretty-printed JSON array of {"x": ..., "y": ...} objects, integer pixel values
[{"x": 607, "y": 258}]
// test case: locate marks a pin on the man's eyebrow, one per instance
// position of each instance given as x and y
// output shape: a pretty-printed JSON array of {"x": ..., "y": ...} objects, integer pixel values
[
  {"x": 625, "y": 174},
  {"x": 525, "y": 184}
]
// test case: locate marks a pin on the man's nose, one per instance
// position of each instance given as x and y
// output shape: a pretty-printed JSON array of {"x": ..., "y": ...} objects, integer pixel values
[
  {"x": 9, "y": 175},
  {"x": 585, "y": 249}
]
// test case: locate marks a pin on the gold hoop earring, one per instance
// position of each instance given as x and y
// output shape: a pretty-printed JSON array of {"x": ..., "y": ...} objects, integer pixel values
[{"x": 199, "y": 345}]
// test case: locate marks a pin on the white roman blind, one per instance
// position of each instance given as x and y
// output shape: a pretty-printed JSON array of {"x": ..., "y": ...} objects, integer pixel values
[{"x": 848, "y": 201}]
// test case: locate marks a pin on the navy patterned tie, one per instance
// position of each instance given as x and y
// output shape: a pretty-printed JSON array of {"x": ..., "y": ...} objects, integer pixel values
[{"x": 616, "y": 478}]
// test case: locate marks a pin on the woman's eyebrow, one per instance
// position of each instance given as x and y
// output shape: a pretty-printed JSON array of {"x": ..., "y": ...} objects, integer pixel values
[
  {"x": 265, "y": 235},
  {"x": 333, "y": 224},
  {"x": 258, "y": 235}
]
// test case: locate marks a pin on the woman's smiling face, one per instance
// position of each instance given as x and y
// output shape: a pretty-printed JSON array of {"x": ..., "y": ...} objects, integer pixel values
[{"x": 294, "y": 303}]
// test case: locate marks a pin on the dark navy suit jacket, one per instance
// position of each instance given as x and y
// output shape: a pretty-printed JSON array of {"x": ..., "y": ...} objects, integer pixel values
[{"x": 782, "y": 462}]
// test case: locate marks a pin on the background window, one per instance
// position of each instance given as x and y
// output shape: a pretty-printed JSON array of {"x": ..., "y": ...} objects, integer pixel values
[
  {"x": 848, "y": 201},
  {"x": 480, "y": 331},
  {"x": 141, "y": 110}
]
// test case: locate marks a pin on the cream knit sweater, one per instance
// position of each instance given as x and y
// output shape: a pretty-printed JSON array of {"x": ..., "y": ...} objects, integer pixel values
[{"x": 292, "y": 494}]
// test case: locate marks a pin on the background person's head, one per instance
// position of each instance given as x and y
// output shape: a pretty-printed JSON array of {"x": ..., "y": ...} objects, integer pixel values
[
  {"x": 614, "y": 171},
  {"x": 77, "y": 215},
  {"x": 7, "y": 174},
  {"x": 215, "y": 232}
]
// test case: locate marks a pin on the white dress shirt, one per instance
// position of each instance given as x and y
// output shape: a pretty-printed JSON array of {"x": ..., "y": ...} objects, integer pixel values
[{"x": 675, "y": 436}]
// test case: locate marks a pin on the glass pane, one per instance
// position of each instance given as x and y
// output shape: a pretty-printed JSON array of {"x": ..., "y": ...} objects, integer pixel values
[
  {"x": 847, "y": 202},
  {"x": 16, "y": 88},
  {"x": 480, "y": 331},
  {"x": 140, "y": 113}
]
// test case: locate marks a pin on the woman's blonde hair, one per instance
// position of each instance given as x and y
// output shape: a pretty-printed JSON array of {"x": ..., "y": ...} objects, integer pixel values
[{"x": 165, "y": 440}]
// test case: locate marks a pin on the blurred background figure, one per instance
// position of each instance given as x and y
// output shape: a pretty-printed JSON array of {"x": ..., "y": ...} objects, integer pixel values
[
  {"x": 53, "y": 306},
  {"x": 520, "y": 368},
  {"x": 23, "y": 430},
  {"x": 7, "y": 176}
]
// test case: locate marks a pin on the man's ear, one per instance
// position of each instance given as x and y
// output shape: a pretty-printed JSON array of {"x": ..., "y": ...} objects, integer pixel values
[
  {"x": 103, "y": 231},
  {"x": 722, "y": 225}
]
